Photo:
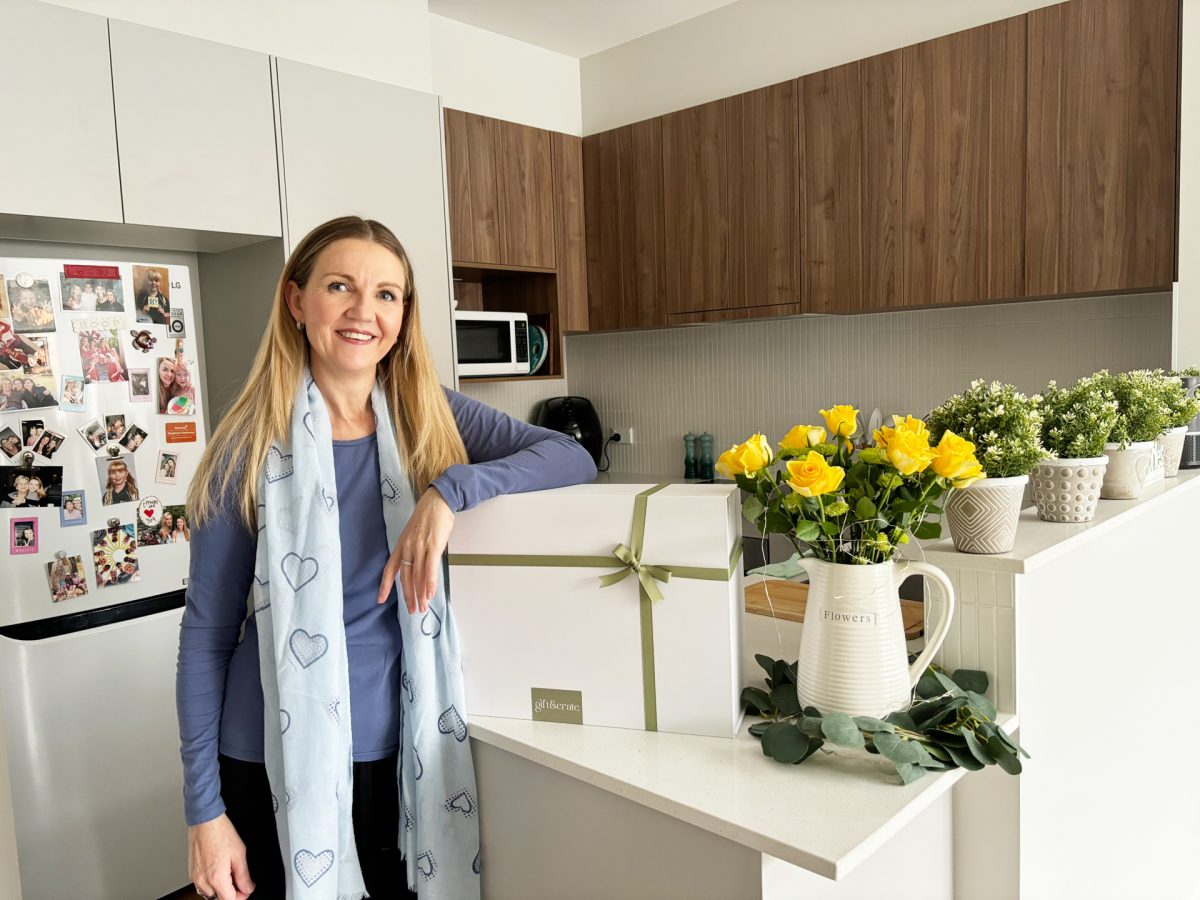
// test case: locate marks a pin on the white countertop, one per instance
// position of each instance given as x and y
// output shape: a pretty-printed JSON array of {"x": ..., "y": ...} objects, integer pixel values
[
  {"x": 1041, "y": 542},
  {"x": 826, "y": 815}
]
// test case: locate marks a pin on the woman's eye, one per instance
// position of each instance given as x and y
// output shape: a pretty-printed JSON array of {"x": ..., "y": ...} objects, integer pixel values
[
  {"x": 387, "y": 295},
  {"x": 339, "y": 286}
]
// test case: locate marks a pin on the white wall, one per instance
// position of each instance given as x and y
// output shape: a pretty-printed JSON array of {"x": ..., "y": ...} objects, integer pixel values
[
  {"x": 1187, "y": 326},
  {"x": 486, "y": 73},
  {"x": 387, "y": 40},
  {"x": 754, "y": 43}
]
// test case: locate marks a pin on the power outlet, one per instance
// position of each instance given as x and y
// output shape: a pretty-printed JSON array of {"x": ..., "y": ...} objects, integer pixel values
[{"x": 625, "y": 435}]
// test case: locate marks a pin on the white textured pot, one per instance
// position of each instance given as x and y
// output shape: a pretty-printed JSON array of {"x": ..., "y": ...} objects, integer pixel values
[
  {"x": 853, "y": 657},
  {"x": 1170, "y": 442},
  {"x": 983, "y": 516},
  {"x": 1068, "y": 490},
  {"x": 1129, "y": 470}
]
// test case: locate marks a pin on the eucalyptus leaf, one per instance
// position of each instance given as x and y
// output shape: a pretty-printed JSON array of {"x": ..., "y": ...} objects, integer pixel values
[
  {"x": 812, "y": 726},
  {"x": 909, "y": 772},
  {"x": 871, "y": 725},
  {"x": 1005, "y": 758},
  {"x": 945, "y": 736},
  {"x": 789, "y": 568},
  {"x": 978, "y": 750},
  {"x": 758, "y": 728},
  {"x": 781, "y": 673},
  {"x": 928, "y": 686},
  {"x": 936, "y": 752},
  {"x": 783, "y": 696},
  {"x": 784, "y": 743},
  {"x": 765, "y": 662},
  {"x": 900, "y": 720},
  {"x": 757, "y": 699},
  {"x": 1010, "y": 743},
  {"x": 948, "y": 712},
  {"x": 840, "y": 729},
  {"x": 971, "y": 680},
  {"x": 982, "y": 704},
  {"x": 963, "y": 758},
  {"x": 811, "y": 711},
  {"x": 947, "y": 682},
  {"x": 895, "y": 749}
]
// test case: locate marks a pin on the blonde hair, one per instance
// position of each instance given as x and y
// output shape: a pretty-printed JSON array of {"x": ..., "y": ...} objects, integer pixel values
[
  {"x": 426, "y": 432},
  {"x": 130, "y": 483}
]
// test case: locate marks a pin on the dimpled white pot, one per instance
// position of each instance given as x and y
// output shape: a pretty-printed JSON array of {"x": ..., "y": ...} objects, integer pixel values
[
  {"x": 853, "y": 657},
  {"x": 983, "y": 516},
  {"x": 1068, "y": 490},
  {"x": 1129, "y": 470},
  {"x": 1170, "y": 442}
]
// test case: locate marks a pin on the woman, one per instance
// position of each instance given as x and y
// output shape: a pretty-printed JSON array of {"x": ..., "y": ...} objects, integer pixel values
[
  {"x": 120, "y": 486},
  {"x": 11, "y": 445},
  {"x": 181, "y": 533},
  {"x": 19, "y": 495},
  {"x": 10, "y": 398},
  {"x": 165, "y": 528},
  {"x": 37, "y": 492},
  {"x": 183, "y": 386},
  {"x": 167, "y": 470},
  {"x": 116, "y": 428},
  {"x": 33, "y": 432},
  {"x": 46, "y": 445},
  {"x": 343, "y": 378},
  {"x": 166, "y": 382},
  {"x": 108, "y": 302}
]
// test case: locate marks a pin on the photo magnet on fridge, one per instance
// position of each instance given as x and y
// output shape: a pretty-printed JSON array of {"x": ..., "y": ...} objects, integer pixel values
[
  {"x": 23, "y": 537},
  {"x": 10, "y": 442},
  {"x": 15, "y": 351},
  {"x": 100, "y": 352},
  {"x": 152, "y": 303},
  {"x": 33, "y": 487},
  {"x": 73, "y": 510},
  {"x": 91, "y": 289},
  {"x": 139, "y": 385},
  {"x": 176, "y": 391},
  {"x": 67, "y": 577},
  {"x": 135, "y": 436},
  {"x": 118, "y": 480},
  {"x": 38, "y": 362},
  {"x": 168, "y": 466},
  {"x": 171, "y": 527},
  {"x": 71, "y": 399},
  {"x": 114, "y": 552},
  {"x": 20, "y": 391},
  {"x": 95, "y": 434},
  {"x": 48, "y": 444},
  {"x": 30, "y": 304}
]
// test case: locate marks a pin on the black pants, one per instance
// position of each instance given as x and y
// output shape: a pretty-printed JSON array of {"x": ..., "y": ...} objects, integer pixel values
[{"x": 375, "y": 811}]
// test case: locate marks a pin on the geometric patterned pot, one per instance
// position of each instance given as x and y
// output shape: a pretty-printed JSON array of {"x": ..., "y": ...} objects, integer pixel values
[
  {"x": 1068, "y": 490},
  {"x": 1170, "y": 442},
  {"x": 983, "y": 516}
]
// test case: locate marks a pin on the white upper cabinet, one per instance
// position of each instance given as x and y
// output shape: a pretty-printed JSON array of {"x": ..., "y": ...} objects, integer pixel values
[
  {"x": 352, "y": 146},
  {"x": 196, "y": 132},
  {"x": 58, "y": 157}
]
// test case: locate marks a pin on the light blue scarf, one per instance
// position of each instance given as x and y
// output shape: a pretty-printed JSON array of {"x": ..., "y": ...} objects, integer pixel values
[{"x": 306, "y": 683}]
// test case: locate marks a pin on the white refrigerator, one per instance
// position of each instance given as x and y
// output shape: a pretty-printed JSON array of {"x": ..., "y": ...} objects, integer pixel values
[{"x": 100, "y": 432}]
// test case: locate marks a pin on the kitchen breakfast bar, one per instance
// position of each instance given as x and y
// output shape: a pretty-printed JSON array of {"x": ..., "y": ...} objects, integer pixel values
[{"x": 1087, "y": 633}]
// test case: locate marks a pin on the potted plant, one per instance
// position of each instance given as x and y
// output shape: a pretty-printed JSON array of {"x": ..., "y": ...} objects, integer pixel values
[
  {"x": 1181, "y": 400},
  {"x": 847, "y": 513},
  {"x": 1005, "y": 427},
  {"x": 1134, "y": 460},
  {"x": 1076, "y": 424}
]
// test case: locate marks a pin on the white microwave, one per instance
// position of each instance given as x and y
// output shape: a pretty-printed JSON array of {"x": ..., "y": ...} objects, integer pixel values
[{"x": 491, "y": 343}]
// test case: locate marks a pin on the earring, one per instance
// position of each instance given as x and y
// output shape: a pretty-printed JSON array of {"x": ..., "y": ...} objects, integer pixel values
[{"x": 299, "y": 325}]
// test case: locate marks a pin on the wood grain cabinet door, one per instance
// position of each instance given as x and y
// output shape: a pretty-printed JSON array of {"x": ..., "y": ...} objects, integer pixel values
[
  {"x": 1102, "y": 146},
  {"x": 525, "y": 192},
  {"x": 963, "y": 100},
  {"x": 471, "y": 184}
]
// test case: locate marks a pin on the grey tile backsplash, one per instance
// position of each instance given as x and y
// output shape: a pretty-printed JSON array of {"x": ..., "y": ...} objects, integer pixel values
[{"x": 769, "y": 374}]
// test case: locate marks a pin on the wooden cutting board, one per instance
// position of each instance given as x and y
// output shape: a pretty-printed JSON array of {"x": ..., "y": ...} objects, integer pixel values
[{"x": 790, "y": 598}]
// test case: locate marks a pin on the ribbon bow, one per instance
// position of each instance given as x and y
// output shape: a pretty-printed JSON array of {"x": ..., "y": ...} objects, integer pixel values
[{"x": 646, "y": 574}]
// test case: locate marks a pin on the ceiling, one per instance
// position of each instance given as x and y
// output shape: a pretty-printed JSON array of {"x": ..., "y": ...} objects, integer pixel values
[{"x": 576, "y": 28}]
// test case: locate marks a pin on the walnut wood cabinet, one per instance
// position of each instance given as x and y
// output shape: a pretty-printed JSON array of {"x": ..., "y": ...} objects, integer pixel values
[{"x": 1102, "y": 146}]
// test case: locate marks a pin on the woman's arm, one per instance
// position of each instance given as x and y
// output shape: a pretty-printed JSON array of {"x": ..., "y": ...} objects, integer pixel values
[
  {"x": 222, "y": 567},
  {"x": 508, "y": 456}
]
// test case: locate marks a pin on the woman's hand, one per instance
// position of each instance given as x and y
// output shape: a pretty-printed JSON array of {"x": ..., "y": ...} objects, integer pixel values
[
  {"x": 217, "y": 860},
  {"x": 418, "y": 554}
]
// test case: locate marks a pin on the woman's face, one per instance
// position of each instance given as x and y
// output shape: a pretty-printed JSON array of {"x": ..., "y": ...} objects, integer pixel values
[
  {"x": 135, "y": 442},
  {"x": 352, "y": 307},
  {"x": 29, "y": 384},
  {"x": 168, "y": 521},
  {"x": 166, "y": 371},
  {"x": 117, "y": 475},
  {"x": 110, "y": 296},
  {"x": 11, "y": 444},
  {"x": 118, "y": 427},
  {"x": 35, "y": 485},
  {"x": 183, "y": 376},
  {"x": 36, "y": 430},
  {"x": 6, "y": 386},
  {"x": 21, "y": 484},
  {"x": 180, "y": 523}
]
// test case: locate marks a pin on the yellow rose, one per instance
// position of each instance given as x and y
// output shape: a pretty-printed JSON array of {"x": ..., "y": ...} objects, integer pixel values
[
  {"x": 745, "y": 459},
  {"x": 910, "y": 424},
  {"x": 812, "y": 476},
  {"x": 909, "y": 452},
  {"x": 956, "y": 462},
  {"x": 842, "y": 421},
  {"x": 801, "y": 437}
]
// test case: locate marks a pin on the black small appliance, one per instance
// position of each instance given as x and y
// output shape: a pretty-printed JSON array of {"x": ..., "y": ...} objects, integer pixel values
[{"x": 577, "y": 417}]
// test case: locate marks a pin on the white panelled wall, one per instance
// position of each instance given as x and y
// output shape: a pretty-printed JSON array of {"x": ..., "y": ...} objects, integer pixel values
[{"x": 738, "y": 378}]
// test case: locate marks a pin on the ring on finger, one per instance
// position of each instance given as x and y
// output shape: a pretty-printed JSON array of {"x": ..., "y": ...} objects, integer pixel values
[{"x": 406, "y": 562}]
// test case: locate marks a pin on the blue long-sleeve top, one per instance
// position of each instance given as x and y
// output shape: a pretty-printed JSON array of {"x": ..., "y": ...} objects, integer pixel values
[{"x": 218, "y": 691}]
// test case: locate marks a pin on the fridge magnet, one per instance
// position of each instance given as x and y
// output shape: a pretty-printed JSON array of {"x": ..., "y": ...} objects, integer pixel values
[
  {"x": 150, "y": 511},
  {"x": 143, "y": 340},
  {"x": 66, "y": 576},
  {"x": 135, "y": 436},
  {"x": 31, "y": 431},
  {"x": 177, "y": 328},
  {"x": 139, "y": 385},
  {"x": 151, "y": 302},
  {"x": 15, "y": 351},
  {"x": 91, "y": 289},
  {"x": 100, "y": 352},
  {"x": 31, "y": 487},
  {"x": 48, "y": 444},
  {"x": 176, "y": 392},
  {"x": 71, "y": 399},
  {"x": 167, "y": 464},
  {"x": 94, "y": 434},
  {"x": 23, "y": 537},
  {"x": 73, "y": 510},
  {"x": 35, "y": 391},
  {"x": 38, "y": 362},
  {"x": 114, "y": 552},
  {"x": 114, "y": 427},
  {"x": 10, "y": 442},
  {"x": 118, "y": 480},
  {"x": 171, "y": 528},
  {"x": 30, "y": 305},
  {"x": 180, "y": 433}
]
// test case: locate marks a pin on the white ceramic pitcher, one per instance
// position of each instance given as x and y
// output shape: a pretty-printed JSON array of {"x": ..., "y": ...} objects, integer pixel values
[{"x": 853, "y": 657}]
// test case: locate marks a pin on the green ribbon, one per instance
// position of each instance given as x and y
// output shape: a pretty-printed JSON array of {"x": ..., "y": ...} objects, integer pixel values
[{"x": 629, "y": 558}]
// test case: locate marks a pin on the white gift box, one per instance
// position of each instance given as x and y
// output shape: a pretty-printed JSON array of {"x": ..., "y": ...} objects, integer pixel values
[{"x": 542, "y": 638}]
